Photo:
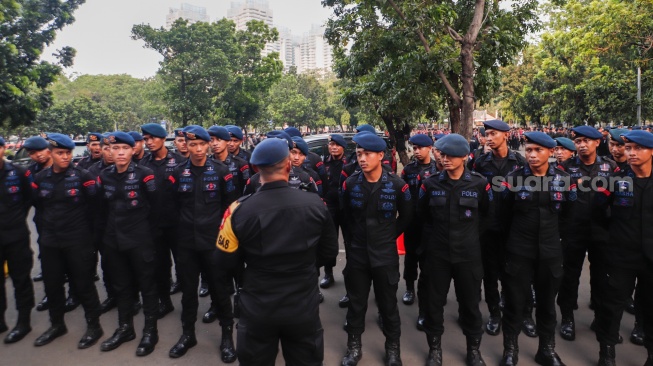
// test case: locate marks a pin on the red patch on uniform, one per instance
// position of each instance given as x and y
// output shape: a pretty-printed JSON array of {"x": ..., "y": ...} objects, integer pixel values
[
  {"x": 344, "y": 186},
  {"x": 89, "y": 183},
  {"x": 148, "y": 178},
  {"x": 27, "y": 173},
  {"x": 131, "y": 194},
  {"x": 506, "y": 184},
  {"x": 35, "y": 186},
  {"x": 604, "y": 191},
  {"x": 245, "y": 167},
  {"x": 487, "y": 187},
  {"x": 405, "y": 188},
  {"x": 344, "y": 173},
  {"x": 171, "y": 179},
  {"x": 319, "y": 164},
  {"x": 228, "y": 177}
]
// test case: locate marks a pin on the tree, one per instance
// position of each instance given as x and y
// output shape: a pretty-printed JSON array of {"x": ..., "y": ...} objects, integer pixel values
[
  {"x": 298, "y": 100},
  {"x": 462, "y": 42},
  {"x": 27, "y": 27},
  {"x": 78, "y": 116},
  {"x": 211, "y": 71}
]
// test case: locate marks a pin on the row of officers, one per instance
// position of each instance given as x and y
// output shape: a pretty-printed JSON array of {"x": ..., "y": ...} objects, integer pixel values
[{"x": 529, "y": 237}]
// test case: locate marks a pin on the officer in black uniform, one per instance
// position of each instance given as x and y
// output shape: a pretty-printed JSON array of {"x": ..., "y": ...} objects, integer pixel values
[
  {"x": 204, "y": 189},
  {"x": 93, "y": 146},
  {"x": 478, "y": 150},
  {"x": 422, "y": 145},
  {"x": 298, "y": 235},
  {"x": 496, "y": 164},
  {"x": 180, "y": 142},
  {"x": 37, "y": 148},
  {"x": 630, "y": 247},
  {"x": 236, "y": 140},
  {"x": 298, "y": 156},
  {"x": 95, "y": 169},
  {"x": 587, "y": 226},
  {"x": 238, "y": 167},
  {"x": 163, "y": 163},
  {"x": 564, "y": 150},
  {"x": 139, "y": 147},
  {"x": 15, "y": 202},
  {"x": 535, "y": 198},
  {"x": 313, "y": 161},
  {"x": 64, "y": 197},
  {"x": 378, "y": 207},
  {"x": 129, "y": 206},
  {"x": 454, "y": 203},
  {"x": 617, "y": 148}
]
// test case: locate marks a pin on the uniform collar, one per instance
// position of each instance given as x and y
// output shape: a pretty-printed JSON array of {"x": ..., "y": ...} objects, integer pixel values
[
  {"x": 273, "y": 185},
  {"x": 467, "y": 176}
]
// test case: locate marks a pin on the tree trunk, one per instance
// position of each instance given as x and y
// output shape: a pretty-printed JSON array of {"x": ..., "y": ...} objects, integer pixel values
[
  {"x": 454, "y": 115},
  {"x": 468, "y": 100}
]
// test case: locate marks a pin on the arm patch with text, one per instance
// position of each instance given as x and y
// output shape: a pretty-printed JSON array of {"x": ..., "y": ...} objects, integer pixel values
[{"x": 227, "y": 240}]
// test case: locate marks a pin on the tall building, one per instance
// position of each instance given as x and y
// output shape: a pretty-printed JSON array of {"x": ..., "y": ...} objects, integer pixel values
[
  {"x": 189, "y": 12},
  {"x": 243, "y": 11},
  {"x": 315, "y": 52}
]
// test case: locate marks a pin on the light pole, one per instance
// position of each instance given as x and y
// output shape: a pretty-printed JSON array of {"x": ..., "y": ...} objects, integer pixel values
[{"x": 639, "y": 95}]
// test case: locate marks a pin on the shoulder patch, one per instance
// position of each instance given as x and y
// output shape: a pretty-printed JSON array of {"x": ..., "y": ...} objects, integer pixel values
[{"x": 227, "y": 240}]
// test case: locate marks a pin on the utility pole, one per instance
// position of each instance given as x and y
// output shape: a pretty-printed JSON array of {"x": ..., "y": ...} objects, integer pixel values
[{"x": 639, "y": 95}]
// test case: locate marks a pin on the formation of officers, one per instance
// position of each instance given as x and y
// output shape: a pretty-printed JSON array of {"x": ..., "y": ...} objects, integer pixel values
[{"x": 260, "y": 226}]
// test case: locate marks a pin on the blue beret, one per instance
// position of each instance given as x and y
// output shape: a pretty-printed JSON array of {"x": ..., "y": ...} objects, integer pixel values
[
  {"x": 370, "y": 142},
  {"x": 421, "y": 140},
  {"x": 269, "y": 152},
  {"x": 453, "y": 145},
  {"x": 615, "y": 134},
  {"x": 338, "y": 139},
  {"x": 93, "y": 137},
  {"x": 566, "y": 143},
  {"x": 361, "y": 128},
  {"x": 236, "y": 132},
  {"x": 119, "y": 137},
  {"x": 438, "y": 136},
  {"x": 496, "y": 124},
  {"x": 292, "y": 131},
  {"x": 135, "y": 135},
  {"x": 35, "y": 143},
  {"x": 541, "y": 139},
  {"x": 2, "y": 142},
  {"x": 299, "y": 143},
  {"x": 281, "y": 135},
  {"x": 637, "y": 128},
  {"x": 640, "y": 137},
  {"x": 155, "y": 130},
  {"x": 105, "y": 138},
  {"x": 60, "y": 140},
  {"x": 195, "y": 132},
  {"x": 481, "y": 131},
  {"x": 358, "y": 135},
  {"x": 179, "y": 132},
  {"x": 587, "y": 131},
  {"x": 219, "y": 132}
]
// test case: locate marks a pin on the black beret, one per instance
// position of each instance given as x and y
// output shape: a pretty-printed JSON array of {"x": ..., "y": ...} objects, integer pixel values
[
  {"x": 587, "y": 131},
  {"x": 155, "y": 130},
  {"x": 496, "y": 124},
  {"x": 60, "y": 140},
  {"x": 35, "y": 143},
  {"x": 453, "y": 145},
  {"x": 269, "y": 152},
  {"x": 195, "y": 132},
  {"x": 421, "y": 139},
  {"x": 541, "y": 139}
]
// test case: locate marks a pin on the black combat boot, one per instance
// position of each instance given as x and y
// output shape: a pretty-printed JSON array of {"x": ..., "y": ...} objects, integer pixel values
[
  {"x": 21, "y": 329},
  {"x": 568, "y": 326},
  {"x": 510, "y": 350},
  {"x": 637, "y": 335},
  {"x": 528, "y": 324},
  {"x": 124, "y": 333},
  {"x": 493, "y": 325},
  {"x": 185, "y": 342},
  {"x": 354, "y": 350},
  {"x": 435, "y": 351},
  {"x": 227, "y": 351},
  {"x": 150, "y": 337},
  {"x": 607, "y": 356},
  {"x": 546, "y": 354},
  {"x": 392, "y": 353},
  {"x": 56, "y": 330},
  {"x": 93, "y": 333},
  {"x": 474, "y": 357}
]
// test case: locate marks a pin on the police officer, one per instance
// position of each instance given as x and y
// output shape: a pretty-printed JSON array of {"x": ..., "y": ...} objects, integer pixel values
[
  {"x": 163, "y": 163},
  {"x": 378, "y": 207},
  {"x": 139, "y": 150},
  {"x": 15, "y": 201},
  {"x": 422, "y": 145},
  {"x": 587, "y": 226},
  {"x": 37, "y": 148},
  {"x": 129, "y": 202},
  {"x": 497, "y": 163},
  {"x": 564, "y": 150},
  {"x": 534, "y": 198},
  {"x": 180, "y": 143},
  {"x": 453, "y": 203},
  {"x": 64, "y": 197},
  {"x": 204, "y": 189},
  {"x": 479, "y": 149},
  {"x": 238, "y": 167},
  {"x": 629, "y": 200},
  {"x": 313, "y": 161},
  {"x": 93, "y": 146},
  {"x": 298, "y": 156},
  {"x": 333, "y": 164},
  {"x": 617, "y": 148},
  {"x": 298, "y": 235},
  {"x": 234, "y": 143}
]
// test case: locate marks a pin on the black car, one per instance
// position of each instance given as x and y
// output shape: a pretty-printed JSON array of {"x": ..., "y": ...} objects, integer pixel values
[
  {"x": 319, "y": 144},
  {"x": 22, "y": 157}
]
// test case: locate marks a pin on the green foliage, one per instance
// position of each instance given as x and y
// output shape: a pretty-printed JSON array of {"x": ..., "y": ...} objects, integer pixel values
[
  {"x": 27, "y": 27},
  {"x": 77, "y": 116}
]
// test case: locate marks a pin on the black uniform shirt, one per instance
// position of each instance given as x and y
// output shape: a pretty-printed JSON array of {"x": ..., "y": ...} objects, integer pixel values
[
  {"x": 455, "y": 209},
  {"x": 168, "y": 215},
  {"x": 65, "y": 204},
  {"x": 371, "y": 211},
  {"x": 332, "y": 184},
  {"x": 239, "y": 169},
  {"x": 299, "y": 179},
  {"x": 411, "y": 174},
  {"x": 86, "y": 162},
  {"x": 244, "y": 154},
  {"x": 15, "y": 201}
]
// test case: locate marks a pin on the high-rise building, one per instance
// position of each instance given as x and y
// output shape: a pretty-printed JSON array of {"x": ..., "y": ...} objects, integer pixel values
[
  {"x": 243, "y": 11},
  {"x": 315, "y": 52},
  {"x": 188, "y": 12}
]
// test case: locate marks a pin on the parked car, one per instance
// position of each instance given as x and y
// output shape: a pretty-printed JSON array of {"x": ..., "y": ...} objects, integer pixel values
[
  {"x": 22, "y": 157},
  {"x": 319, "y": 144}
]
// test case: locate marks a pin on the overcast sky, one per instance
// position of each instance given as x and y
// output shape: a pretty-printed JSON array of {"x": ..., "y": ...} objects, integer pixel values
[{"x": 102, "y": 29}]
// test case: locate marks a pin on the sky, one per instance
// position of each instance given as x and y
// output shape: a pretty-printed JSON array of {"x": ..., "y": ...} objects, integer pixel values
[{"x": 101, "y": 33}]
